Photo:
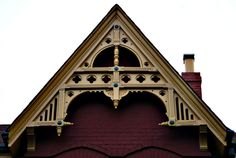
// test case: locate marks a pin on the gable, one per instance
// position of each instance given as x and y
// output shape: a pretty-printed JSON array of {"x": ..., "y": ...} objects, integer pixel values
[{"x": 154, "y": 75}]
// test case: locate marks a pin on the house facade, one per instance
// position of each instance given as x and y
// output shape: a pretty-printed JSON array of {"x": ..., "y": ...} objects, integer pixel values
[{"x": 117, "y": 96}]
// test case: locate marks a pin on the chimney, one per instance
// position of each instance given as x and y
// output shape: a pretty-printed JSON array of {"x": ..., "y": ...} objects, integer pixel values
[{"x": 192, "y": 78}]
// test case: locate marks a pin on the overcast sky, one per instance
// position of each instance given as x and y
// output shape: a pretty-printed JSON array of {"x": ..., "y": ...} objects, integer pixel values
[{"x": 37, "y": 37}]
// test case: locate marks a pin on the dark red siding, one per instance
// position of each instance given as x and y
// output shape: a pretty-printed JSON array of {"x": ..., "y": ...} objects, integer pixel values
[
  {"x": 81, "y": 152},
  {"x": 132, "y": 130},
  {"x": 153, "y": 153}
]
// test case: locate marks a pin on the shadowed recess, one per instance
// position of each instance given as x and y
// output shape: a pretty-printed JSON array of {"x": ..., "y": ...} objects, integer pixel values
[{"x": 106, "y": 58}]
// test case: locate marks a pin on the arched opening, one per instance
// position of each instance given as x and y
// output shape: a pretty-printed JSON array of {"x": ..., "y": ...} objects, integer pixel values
[
  {"x": 106, "y": 57},
  {"x": 141, "y": 102},
  {"x": 133, "y": 125}
]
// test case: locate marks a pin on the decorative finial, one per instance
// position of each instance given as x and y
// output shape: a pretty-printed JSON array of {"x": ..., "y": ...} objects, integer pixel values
[
  {"x": 60, "y": 124},
  {"x": 116, "y": 103}
]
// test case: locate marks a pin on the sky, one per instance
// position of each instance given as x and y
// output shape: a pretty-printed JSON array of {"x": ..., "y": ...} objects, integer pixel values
[{"x": 37, "y": 37}]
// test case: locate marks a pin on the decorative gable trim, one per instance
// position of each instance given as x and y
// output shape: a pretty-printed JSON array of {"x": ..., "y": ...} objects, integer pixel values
[{"x": 155, "y": 75}]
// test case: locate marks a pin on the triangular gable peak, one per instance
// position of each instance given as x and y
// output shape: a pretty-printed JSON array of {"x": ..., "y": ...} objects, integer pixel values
[
  {"x": 90, "y": 76},
  {"x": 115, "y": 38}
]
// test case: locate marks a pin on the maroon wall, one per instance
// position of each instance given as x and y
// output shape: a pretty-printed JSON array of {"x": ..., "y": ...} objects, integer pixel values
[{"x": 130, "y": 131}]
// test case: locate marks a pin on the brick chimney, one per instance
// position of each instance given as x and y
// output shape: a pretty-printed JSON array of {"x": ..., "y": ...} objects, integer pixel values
[{"x": 192, "y": 78}]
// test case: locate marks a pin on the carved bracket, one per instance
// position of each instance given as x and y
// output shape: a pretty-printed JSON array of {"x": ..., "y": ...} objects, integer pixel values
[
  {"x": 30, "y": 139},
  {"x": 203, "y": 137}
]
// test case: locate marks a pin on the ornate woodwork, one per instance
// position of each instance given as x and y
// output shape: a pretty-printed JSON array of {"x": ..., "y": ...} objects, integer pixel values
[{"x": 116, "y": 82}]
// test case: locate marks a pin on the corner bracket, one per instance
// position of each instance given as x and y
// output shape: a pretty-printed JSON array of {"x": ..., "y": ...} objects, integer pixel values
[
  {"x": 203, "y": 137},
  {"x": 30, "y": 139}
]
